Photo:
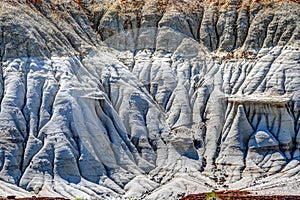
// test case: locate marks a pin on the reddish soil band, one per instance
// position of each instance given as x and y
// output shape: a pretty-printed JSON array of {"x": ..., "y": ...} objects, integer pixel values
[{"x": 238, "y": 195}]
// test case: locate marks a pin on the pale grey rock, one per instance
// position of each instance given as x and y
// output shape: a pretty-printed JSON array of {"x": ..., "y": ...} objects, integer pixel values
[
  {"x": 140, "y": 185},
  {"x": 109, "y": 99},
  {"x": 297, "y": 150},
  {"x": 235, "y": 138},
  {"x": 208, "y": 32},
  {"x": 264, "y": 154}
]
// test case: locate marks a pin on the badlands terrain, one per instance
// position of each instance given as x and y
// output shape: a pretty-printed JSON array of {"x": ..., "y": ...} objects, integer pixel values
[{"x": 111, "y": 99}]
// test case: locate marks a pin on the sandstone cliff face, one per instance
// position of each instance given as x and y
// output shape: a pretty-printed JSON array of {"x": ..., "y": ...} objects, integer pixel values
[{"x": 149, "y": 99}]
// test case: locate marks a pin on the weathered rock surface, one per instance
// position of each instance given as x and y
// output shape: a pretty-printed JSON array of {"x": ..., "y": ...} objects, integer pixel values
[{"x": 149, "y": 99}]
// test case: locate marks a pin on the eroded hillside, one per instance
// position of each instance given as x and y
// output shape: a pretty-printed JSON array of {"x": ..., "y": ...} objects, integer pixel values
[{"x": 149, "y": 99}]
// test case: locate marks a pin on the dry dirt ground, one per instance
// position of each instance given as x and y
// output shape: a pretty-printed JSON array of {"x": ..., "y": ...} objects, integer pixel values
[{"x": 238, "y": 195}]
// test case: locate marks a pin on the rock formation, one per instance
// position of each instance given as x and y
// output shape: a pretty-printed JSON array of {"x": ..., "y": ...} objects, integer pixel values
[{"x": 149, "y": 99}]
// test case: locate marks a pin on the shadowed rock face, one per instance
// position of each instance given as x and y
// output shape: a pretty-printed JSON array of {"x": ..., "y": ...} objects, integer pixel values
[{"x": 148, "y": 99}]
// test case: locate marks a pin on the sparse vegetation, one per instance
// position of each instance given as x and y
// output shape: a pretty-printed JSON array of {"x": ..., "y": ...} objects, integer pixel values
[{"x": 211, "y": 196}]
